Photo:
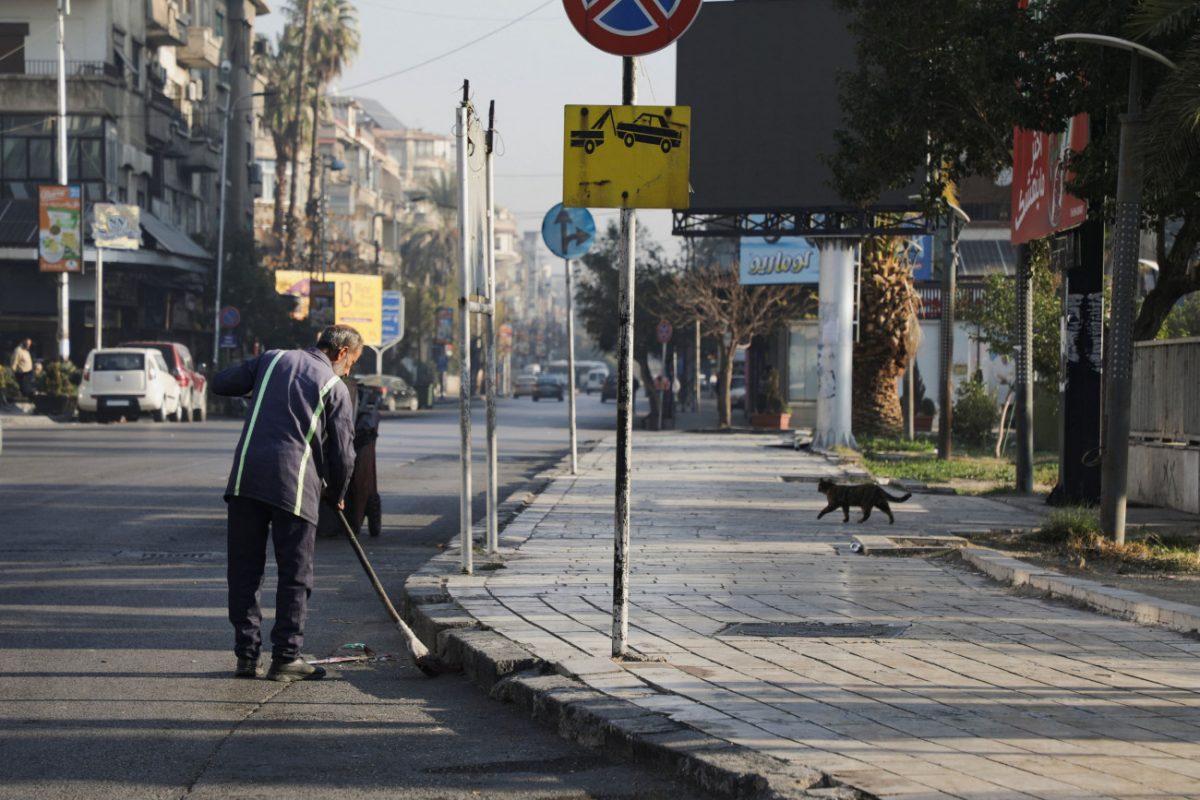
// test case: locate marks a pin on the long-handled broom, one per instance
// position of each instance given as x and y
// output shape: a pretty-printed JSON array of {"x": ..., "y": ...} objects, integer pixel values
[{"x": 426, "y": 661}]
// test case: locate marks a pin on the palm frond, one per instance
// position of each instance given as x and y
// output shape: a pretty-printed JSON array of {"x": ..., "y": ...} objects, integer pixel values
[{"x": 1158, "y": 18}]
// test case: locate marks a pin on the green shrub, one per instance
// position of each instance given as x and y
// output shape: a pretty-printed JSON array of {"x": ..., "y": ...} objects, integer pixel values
[
  {"x": 975, "y": 413},
  {"x": 9, "y": 389},
  {"x": 775, "y": 402},
  {"x": 60, "y": 379}
]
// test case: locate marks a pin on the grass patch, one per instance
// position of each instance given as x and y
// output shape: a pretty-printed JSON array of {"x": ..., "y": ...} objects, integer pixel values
[
  {"x": 922, "y": 464},
  {"x": 880, "y": 444},
  {"x": 1075, "y": 533}
]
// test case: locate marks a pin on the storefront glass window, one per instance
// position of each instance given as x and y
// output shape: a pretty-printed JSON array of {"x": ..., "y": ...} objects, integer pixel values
[{"x": 802, "y": 362}]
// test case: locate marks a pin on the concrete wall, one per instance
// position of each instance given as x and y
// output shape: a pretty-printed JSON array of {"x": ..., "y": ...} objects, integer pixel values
[{"x": 1165, "y": 475}]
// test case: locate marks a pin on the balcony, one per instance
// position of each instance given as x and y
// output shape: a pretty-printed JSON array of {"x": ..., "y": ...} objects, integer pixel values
[
  {"x": 203, "y": 50},
  {"x": 162, "y": 24}
]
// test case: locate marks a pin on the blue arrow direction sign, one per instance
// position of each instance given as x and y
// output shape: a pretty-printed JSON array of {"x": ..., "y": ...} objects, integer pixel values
[
  {"x": 568, "y": 232},
  {"x": 393, "y": 317}
]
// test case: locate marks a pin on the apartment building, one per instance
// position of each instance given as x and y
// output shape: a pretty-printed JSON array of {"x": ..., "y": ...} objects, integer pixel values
[{"x": 148, "y": 83}]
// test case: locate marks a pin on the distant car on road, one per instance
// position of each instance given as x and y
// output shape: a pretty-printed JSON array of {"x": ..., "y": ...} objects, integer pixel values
[
  {"x": 550, "y": 385},
  {"x": 525, "y": 384},
  {"x": 609, "y": 390},
  {"x": 595, "y": 380},
  {"x": 737, "y": 391},
  {"x": 127, "y": 382},
  {"x": 193, "y": 386},
  {"x": 395, "y": 391}
]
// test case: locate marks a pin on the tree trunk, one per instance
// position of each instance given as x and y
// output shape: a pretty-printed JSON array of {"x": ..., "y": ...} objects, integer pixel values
[
  {"x": 292, "y": 221},
  {"x": 888, "y": 338},
  {"x": 280, "y": 180},
  {"x": 314, "y": 213},
  {"x": 724, "y": 405},
  {"x": 1157, "y": 306}
]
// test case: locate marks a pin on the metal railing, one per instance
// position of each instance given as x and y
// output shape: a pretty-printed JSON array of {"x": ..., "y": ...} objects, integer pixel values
[
  {"x": 1165, "y": 404},
  {"x": 48, "y": 67}
]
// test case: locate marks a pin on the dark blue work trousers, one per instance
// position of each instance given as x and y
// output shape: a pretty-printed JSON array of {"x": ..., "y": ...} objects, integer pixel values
[{"x": 294, "y": 538}]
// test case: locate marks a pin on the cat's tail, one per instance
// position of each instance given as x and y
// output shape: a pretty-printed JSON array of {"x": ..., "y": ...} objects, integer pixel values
[{"x": 895, "y": 499}]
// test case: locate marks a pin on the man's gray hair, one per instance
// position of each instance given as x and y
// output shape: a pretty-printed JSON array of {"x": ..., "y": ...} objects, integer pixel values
[{"x": 335, "y": 337}]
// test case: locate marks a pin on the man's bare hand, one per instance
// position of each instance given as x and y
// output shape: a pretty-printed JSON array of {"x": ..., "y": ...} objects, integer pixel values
[{"x": 341, "y": 505}]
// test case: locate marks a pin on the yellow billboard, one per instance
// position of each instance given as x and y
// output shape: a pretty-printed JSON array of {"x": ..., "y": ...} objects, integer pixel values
[
  {"x": 626, "y": 156},
  {"x": 358, "y": 300}
]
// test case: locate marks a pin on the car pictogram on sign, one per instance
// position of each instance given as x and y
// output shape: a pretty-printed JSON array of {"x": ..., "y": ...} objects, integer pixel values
[{"x": 653, "y": 129}]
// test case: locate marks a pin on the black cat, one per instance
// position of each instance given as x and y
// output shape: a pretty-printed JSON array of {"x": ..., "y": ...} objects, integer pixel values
[{"x": 864, "y": 495}]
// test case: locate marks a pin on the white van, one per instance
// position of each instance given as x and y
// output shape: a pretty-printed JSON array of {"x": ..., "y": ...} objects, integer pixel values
[{"x": 594, "y": 382}]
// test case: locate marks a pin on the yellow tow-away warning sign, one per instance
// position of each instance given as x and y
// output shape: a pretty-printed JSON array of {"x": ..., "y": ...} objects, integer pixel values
[{"x": 626, "y": 156}]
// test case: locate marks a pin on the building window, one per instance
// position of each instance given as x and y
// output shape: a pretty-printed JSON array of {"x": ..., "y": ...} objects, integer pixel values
[
  {"x": 12, "y": 47},
  {"x": 802, "y": 362}
]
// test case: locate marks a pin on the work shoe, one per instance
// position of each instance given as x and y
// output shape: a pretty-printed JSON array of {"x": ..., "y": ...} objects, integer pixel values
[
  {"x": 296, "y": 669},
  {"x": 247, "y": 667}
]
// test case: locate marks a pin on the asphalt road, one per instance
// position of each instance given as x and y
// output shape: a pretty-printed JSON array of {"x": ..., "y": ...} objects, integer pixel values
[{"x": 115, "y": 657}]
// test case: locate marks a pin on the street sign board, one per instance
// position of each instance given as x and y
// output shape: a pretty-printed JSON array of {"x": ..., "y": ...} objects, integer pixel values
[
  {"x": 229, "y": 340},
  {"x": 444, "y": 334},
  {"x": 568, "y": 232},
  {"x": 791, "y": 259},
  {"x": 626, "y": 156},
  {"x": 393, "y": 317},
  {"x": 1041, "y": 205},
  {"x": 358, "y": 301},
  {"x": 664, "y": 331},
  {"x": 631, "y": 27},
  {"x": 117, "y": 227},
  {"x": 230, "y": 317},
  {"x": 60, "y": 234},
  {"x": 322, "y": 303}
]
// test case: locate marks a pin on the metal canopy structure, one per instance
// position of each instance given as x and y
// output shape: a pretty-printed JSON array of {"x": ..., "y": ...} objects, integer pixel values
[{"x": 811, "y": 223}]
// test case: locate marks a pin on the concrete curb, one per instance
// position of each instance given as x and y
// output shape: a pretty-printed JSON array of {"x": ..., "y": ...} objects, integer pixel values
[
  {"x": 1121, "y": 603},
  {"x": 558, "y": 700}
]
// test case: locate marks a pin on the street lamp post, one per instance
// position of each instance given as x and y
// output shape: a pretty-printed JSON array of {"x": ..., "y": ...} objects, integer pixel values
[
  {"x": 1127, "y": 239},
  {"x": 328, "y": 164},
  {"x": 230, "y": 107}
]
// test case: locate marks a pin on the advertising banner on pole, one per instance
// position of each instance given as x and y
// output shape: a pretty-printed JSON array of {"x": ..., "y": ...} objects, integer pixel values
[
  {"x": 791, "y": 259},
  {"x": 358, "y": 300},
  {"x": 322, "y": 303},
  {"x": 60, "y": 229},
  {"x": 1041, "y": 206},
  {"x": 117, "y": 227},
  {"x": 445, "y": 326}
]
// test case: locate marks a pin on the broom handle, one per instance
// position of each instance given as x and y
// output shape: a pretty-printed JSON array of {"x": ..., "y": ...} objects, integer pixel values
[{"x": 362, "y": 559}]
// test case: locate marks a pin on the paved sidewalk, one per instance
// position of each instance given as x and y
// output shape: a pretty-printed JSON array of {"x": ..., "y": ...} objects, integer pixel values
[{"x": 965, "y": 689}]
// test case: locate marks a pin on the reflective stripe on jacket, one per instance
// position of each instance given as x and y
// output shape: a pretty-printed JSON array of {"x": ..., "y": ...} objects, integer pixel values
[{"x": 298, "y": 434}]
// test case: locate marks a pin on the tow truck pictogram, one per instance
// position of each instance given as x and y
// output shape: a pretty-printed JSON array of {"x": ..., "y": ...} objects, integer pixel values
[{"x": 647, "y": 128}]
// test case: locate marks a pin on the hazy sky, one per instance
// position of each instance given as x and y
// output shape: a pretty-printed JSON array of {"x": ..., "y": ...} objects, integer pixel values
[{"x": 531, "y": 69}]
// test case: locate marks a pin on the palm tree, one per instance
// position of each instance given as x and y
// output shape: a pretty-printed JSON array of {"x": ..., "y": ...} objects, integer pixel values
[
  {"x": 300, "y": 84},
  {"x": 889, "y": 336},
  {"x": 333, "y": 45},
  {"x": 277, "y": 65}
]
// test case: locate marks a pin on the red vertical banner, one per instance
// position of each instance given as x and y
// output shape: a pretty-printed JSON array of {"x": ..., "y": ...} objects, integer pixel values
[{"x": 1041, "y": 205}]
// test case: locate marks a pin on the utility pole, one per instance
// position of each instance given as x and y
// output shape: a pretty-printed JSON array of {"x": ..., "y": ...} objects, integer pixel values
[
  {"x": 64, "y": 283},
  {"x": 624, "y": 477},
  {"x": 1024, "y": 353},
  {"x": 489, "y": 370}
]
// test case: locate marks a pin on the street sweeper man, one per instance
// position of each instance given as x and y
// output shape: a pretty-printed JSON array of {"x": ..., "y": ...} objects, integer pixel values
[{"x": 298, "y": 441}]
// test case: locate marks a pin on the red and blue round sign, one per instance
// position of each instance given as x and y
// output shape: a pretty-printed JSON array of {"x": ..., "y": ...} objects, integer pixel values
[{"x": 631, "y": 27}]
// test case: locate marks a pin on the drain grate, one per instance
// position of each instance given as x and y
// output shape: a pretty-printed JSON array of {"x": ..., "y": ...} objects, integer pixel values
[{"x": 815, "y": 630}]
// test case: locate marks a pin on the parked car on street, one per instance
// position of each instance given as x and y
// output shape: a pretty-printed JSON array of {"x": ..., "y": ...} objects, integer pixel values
[
  {"x": 737, "y": 391},
  {"x": 394, "y": 391},
  {"x": 550, "y": 385},
  {"x": 525, "y": 384},
  {"x": 594, "y": 382},
  {"x": 127, "y": 382},
  {"x": 609, "y": 390},
  {"x": 193, "y": 386}
]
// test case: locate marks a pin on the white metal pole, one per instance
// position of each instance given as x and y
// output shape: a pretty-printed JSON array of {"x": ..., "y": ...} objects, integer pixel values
[
  {"x": 574, "y": 436},
  {"x": 489, "y": 374},
  {"x": 64, "y": 281},
  {"x": 99, "y": 297},
  {"x": 216, "y": 351},
  {"x": 464, "y": 340},
  {"x": 624, "y": 466}
]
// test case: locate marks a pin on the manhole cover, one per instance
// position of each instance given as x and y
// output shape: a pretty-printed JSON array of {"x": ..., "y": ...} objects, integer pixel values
[{"x": 815, "y": 630}]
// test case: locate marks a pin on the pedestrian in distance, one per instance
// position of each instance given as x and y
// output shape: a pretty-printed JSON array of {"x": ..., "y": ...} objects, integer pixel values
[
  {"x": 21, "y": 363},
  {"x": 297, "y": 447}
]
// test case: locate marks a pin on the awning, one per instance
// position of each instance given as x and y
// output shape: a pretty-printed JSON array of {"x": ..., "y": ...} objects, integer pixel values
[{"x": 170, "y": 238}]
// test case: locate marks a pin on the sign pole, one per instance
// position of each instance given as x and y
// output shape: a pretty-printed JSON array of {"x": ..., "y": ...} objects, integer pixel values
[
  {"x": 464, "y": 354},
  {"x": 571, "y": 365},
  {"x": 489, "y": 373},
  {"x": 99, "y": 297},
  {"x": 64, "y": 284},
  {"x": 620, "y": 616}
]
